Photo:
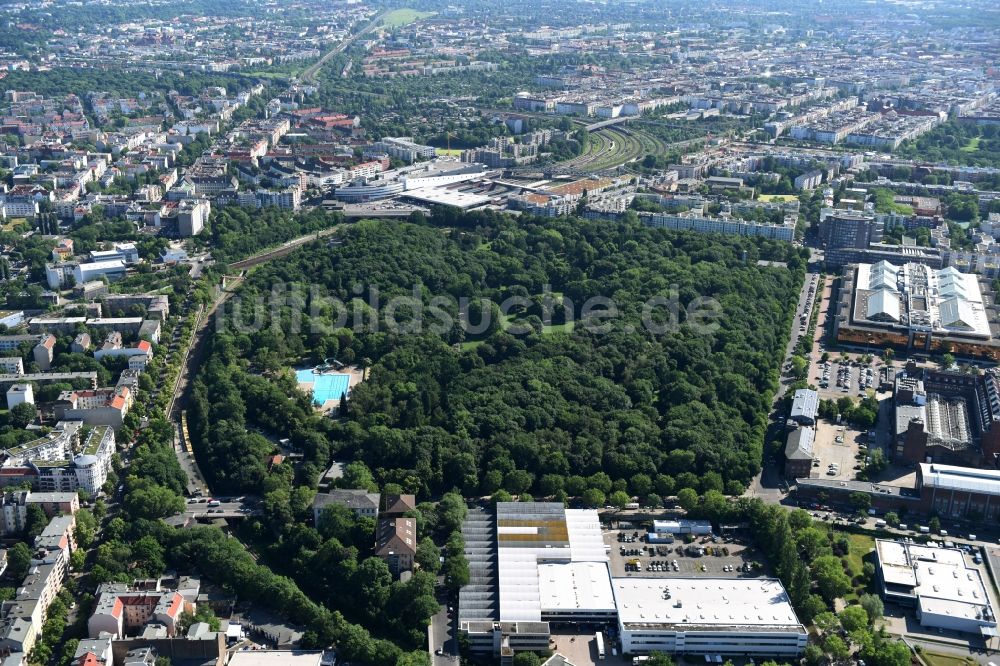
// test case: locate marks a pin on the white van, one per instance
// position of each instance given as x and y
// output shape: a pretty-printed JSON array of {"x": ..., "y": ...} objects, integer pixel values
[
  {"x": 904, "y": 526},
  {"x": 880, "y": 523},
  {"x": 923, "y": 529}
]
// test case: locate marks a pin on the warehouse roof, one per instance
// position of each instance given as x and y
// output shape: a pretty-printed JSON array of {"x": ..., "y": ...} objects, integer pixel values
[
  {"x": 705, "y": 604},
  {"x": 805, "y": 403},
  {"x": 533, "y": 534},
  {"x": 950, "y": 477}
]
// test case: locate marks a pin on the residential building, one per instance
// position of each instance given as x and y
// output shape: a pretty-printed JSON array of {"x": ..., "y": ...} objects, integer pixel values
[
  {"x": 192, "y": 215},
  {"x": 360, "y": 502},
  {"x": 81, "y": 343},
  {"x": 12, "y": 365},
  {"x": 398, "y": 505},
  {"x": 124, "y": 610},
  {"x": 799, "y": 452},
  {"x": 396, "y": 543},
  {"x": 845, "y": 233},
  {"x": 404, "y": 148},
  {"x": 104, "y": 406},
  {"x": 93, "y": 463},
  {"x": 43, "y": 352}
]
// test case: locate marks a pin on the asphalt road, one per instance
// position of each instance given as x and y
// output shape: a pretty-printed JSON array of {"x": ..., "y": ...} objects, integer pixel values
[
  {"x": 443, "y": 638},
  {"x": 768, "y": 483},
  {"x": 233, "y": 509}
]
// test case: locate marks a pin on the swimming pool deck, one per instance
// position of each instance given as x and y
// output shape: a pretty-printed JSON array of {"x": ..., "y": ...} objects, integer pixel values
[{"x": 326, "y": 389}]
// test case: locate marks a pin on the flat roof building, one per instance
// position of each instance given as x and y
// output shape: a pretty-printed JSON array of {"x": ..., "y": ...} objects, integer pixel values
[
  {"x": 947, "y": 592},
  {"x": 552, "y": 566},
  {"x": 565, "y": 542},
  {"x": 707, "y": 616}
]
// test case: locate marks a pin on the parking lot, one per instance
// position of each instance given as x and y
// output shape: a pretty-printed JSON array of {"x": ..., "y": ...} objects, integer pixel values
[
  {"x": 836, "y": 379},
  {"x": 836, "y": 450},
  {"x": 702, "y": 557}
]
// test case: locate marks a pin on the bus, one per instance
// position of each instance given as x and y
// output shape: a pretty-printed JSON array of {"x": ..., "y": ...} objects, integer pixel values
[{"x": 599, "y": 637}]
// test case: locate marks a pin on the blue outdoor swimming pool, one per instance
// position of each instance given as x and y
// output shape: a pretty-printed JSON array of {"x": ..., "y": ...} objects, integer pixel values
[{"x": 324, "y": 387}]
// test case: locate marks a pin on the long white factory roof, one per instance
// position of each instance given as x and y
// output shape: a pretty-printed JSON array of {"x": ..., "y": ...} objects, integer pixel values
[
  {"x": 549, "y": 557},
  {"x": 707, "y": 604},
  {"x": 951, "y": 477}
]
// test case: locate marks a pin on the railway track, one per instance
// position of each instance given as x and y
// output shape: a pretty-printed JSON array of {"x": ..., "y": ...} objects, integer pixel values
[
  {"x": 268, "y": 255},
  {"x": 615, "y": 146},
  {"x": 309, "y": 73}
]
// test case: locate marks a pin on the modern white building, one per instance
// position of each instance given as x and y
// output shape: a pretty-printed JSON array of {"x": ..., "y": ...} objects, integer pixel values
[
  {"x": 94, "y": 461},
  {"x": 19, "y": 393},
  {"x": 551, "y": 565},
  {"x": 741, "y": 616},
  {"x": 947, "y": 590}
]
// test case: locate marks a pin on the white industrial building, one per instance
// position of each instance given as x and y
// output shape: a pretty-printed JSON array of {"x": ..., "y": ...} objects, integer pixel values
[
  {"x": 915, "y": 296},
  {"x": 947, "y": 591},
  {"x": 551, "y": 565},
  {"x": 738, "y": 616}
]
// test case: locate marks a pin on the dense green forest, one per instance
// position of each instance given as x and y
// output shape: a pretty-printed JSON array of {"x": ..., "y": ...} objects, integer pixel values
[
  {"x": 65, "y": 80},
  {"x": 557, "y": 410},
  {"x": 234, "y": 233}
]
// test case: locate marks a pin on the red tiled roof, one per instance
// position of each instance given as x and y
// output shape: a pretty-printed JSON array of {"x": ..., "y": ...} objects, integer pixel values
[
  {"x": 175, "y": 605},
  {"x": 88, "y": 659}
]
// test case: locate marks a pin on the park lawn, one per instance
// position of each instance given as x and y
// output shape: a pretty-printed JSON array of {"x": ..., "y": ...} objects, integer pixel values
[
  {"x": 861, "y": 545},
  {"x": 559, "y": 328},
  {"x": 778, "y": 197},
  {"x": 400, "y": 17},
  {"x": 972, "y": 146},
  {"x": 471, "y": 345},
  {"x": 454, "y": 152},
  {"x": 938, "y": 659}
]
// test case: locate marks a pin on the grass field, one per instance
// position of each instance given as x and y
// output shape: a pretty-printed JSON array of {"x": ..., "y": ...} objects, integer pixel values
[
  {"x": 778, "y": 197},
  {"x": 559, "y": 328},
  {"x": 938, "y": 659},
  {"x": 861, "y": 545},
  {"x": 972, "y": 146},
  {"x": 454, "y": 152},
  {"x": 400, "y": 17}
]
